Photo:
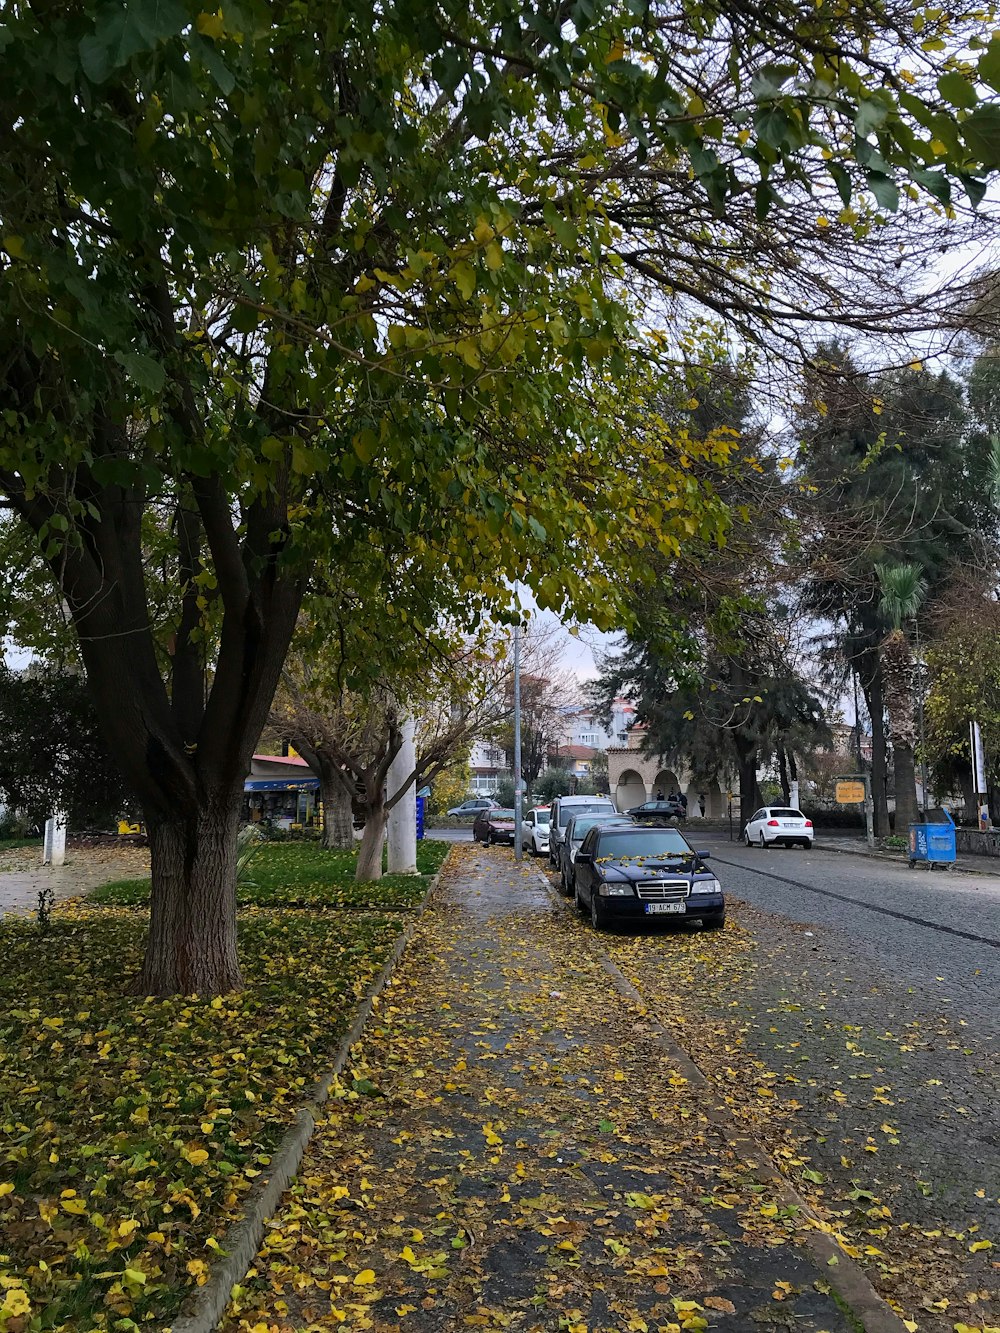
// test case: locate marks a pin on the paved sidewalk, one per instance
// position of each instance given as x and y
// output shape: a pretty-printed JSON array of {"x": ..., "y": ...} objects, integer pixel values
[
  {"x": 511, "y": 1149},
  {"x": 19, "y": 889}
]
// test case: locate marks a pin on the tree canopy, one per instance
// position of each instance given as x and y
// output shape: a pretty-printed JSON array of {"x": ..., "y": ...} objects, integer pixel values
[{"x": 283, "y": 284}]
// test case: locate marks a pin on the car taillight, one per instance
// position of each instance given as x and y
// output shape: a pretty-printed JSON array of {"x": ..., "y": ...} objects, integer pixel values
[
  {"x": 772, "y": 823},
  {"x": 809, "y": 823}
]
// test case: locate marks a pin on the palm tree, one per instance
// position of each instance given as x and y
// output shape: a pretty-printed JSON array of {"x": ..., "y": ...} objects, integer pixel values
[{"x": 903, "y": 589}]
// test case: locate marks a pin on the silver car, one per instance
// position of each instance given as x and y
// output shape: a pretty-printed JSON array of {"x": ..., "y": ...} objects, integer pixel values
[
  {"x": 577, "y": 827},
  {"x": 563, "y": 807}
]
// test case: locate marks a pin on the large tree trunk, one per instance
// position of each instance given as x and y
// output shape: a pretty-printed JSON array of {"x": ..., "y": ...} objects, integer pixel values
[
  {"x": 786, "y": 790},
  {"x": 750, "y": 794},
  {"x": 192, "y": 921},
  {"x": 896, "y": 659},
  {"x": 965, "y": 779},
  {"x": 871, "y": 688},
  {"x": 904, "y": 767},
  {"x": 372, "y": 842},
  {"x": 338, "y": 818}
]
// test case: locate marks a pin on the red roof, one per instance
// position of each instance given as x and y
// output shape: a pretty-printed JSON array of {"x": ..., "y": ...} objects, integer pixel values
[
  {"x": 573, "y": 752},
  {"x": 295, "y": 759}
]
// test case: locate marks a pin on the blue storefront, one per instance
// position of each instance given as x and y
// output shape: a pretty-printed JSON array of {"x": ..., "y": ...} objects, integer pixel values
[{"x": 281, "y": 801}]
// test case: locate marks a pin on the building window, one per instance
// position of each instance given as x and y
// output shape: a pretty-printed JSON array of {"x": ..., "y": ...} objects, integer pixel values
[{"x": 588, "y": 738}]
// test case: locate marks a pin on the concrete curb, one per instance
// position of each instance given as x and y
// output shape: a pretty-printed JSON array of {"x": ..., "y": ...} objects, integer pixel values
[
  {"x": 242, "y": 1240},
  {"x": 846, "y": 1278}
]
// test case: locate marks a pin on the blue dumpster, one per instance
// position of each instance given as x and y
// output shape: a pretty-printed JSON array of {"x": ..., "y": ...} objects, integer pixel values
[
  {"x": 932, "y": 840},
  {"x": 421, "y": 801}
]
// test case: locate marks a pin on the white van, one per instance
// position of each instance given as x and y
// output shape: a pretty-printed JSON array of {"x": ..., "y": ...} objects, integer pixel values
[{"x": 563, "y": 807}]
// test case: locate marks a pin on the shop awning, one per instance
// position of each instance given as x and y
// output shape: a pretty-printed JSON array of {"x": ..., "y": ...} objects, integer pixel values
[{"x": 281, "y": 784}]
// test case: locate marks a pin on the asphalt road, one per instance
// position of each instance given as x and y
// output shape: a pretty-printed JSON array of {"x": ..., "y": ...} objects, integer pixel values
[{"x": 938, "y": 934}]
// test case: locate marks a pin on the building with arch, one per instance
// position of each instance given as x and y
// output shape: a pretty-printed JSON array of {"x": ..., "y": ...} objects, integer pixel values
[{"x": 634, "y": 777}]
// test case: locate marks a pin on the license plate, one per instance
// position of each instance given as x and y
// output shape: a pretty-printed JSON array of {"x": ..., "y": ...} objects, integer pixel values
[
  {"x": 653, "y": 909},
  {"x": 789, "y": 824}
]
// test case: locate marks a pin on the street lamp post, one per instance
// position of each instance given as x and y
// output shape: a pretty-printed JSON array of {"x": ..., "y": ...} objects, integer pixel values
[{"x": 518, "y": 850}]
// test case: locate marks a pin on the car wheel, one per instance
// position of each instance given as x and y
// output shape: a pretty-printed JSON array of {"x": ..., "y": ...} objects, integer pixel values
[
  {"x": 596, "y": 915},
  {"x": 581, "y": 906},
  {"x": 746, "y": 838},
  {"x": 763, "y": 841}
]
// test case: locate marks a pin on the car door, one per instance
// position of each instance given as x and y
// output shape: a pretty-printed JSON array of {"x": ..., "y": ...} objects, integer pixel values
[
  {"x": 585, "y": 872},
  {"x": 528, "y": 829},
  {"x": 754, "y": 824}
]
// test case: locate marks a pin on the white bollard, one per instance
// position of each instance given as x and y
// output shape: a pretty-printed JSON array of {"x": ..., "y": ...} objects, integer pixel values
[{"x": 54, "y": 846}]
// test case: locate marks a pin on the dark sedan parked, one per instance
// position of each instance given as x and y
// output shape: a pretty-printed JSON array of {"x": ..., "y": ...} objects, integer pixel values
[
  {"x": 652, "y": 810},
  {"x": 494, "y": 826},
  {"x": 645, "y": 873}
]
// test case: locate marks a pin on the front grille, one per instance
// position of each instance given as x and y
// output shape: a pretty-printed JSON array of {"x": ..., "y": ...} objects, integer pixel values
[{"x": 663, "y": 890}]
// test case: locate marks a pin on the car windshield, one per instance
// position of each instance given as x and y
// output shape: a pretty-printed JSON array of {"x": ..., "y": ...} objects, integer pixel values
[
  {"x": 566, "y": 812},
  {"x": 501, "y": 814},
  {"x": 648, "y": 843},
  {"x": 580, "y": 826},
  {"x": 542, "y": 816},
  {"x": 787, "y": 814}
]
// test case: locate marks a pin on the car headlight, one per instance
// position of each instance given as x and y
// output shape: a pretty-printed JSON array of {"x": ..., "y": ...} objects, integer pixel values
[
  {"x": 706, "y": 886},
  {"x": 616, "y": 891}
]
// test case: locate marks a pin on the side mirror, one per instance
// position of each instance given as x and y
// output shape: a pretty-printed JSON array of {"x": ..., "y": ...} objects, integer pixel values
[
  {"x": 703, "y": 856},
  {"x": 584, "y": 858}
]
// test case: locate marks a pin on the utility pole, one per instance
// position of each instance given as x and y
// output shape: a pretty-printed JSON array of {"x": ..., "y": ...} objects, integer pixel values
[{"x": 518, "y": 849}]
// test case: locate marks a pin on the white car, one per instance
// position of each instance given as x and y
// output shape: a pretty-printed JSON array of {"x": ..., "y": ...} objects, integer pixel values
[
  {"x": 535, "y": 831},
  {"x": 778, "y": 825}
]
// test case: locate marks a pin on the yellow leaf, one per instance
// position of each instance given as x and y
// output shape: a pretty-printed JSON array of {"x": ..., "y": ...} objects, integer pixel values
[
  {"x": 126, "y": 1228},
  {"x": 978, "y": 1245},
  {"x": 407, "y": 1254},
  {"x": 6, "y": 1188},
  {"x": 769, "y": 1209},
  {"x": 196, "y": 1156},
  {"x": 14, "y": 246},
  {"x": 494, "y": 256},
  {"x": 210, "y": 25},
  {"x": 492, "y": 1137},
  {"x": 365, "y": 1278}
]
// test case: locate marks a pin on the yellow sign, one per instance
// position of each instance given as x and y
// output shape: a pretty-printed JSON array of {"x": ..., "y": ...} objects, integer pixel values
[{"x": 850, "y": 793}]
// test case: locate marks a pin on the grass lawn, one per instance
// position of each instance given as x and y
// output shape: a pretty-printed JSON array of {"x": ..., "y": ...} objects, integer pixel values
[
  {"x": 304, "y": 874},
  {"x": 130, "y": 1129},
  {"x": 12, "y": 844}
]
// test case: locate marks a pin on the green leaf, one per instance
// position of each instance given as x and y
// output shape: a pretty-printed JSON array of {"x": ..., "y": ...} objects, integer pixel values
[
  {"x": 122, "y": 33},
  {"x": 205, "y": 52},
  {"x": 981, "y": 131},
  {"x": 936, "y": 183},
  {"x": 957, "y": 90},
  {"x": 871, "y": 114},
  {"x": 773, "y": 126},
  {"x": 974, "y": 188},
  {"x": 885, "y": 191},
  {"x": 143, "y": 370},
  {"x": 843, "y": 181},
  {"x": 989, "y": 65}
]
